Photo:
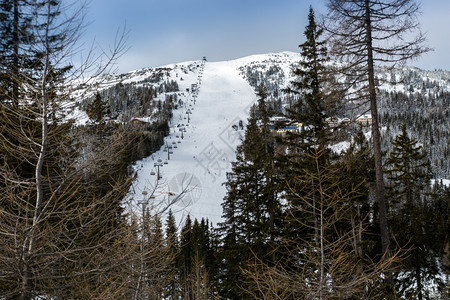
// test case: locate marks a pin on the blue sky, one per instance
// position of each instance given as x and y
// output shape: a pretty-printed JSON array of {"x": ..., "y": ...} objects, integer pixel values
[{"x": 169, "y": 31}]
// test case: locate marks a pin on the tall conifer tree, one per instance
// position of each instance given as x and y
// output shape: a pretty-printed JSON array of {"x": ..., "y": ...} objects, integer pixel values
[
  {"x": 252, "y": 209},
  {"x": 16, "y": 41},
  {"x": 308, "y": 87},
  {"x": 309, "y": 110},
  {"x": 186, "y": 260},
  {"x": 172, "y": 248},
  {"x": 408, "y": 172}
]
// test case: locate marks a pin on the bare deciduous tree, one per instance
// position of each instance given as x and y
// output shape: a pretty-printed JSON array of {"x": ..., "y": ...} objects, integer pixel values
[
  {"x": 55, "y": 240},
  {"x": 364, "y": 33}
]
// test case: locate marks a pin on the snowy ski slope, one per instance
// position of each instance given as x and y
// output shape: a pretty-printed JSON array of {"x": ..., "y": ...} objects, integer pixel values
[{"x": 203, "y": 154}]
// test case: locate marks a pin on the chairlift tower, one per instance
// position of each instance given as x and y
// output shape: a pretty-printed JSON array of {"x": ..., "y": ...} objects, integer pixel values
[
  {"x": 188, "y": 113},
  {"x": 169, "y": 151},
  {"x": 157, "y": 165}
]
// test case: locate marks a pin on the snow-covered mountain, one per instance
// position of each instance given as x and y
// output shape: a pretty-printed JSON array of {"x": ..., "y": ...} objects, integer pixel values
[{"x": 211, "y": 100}]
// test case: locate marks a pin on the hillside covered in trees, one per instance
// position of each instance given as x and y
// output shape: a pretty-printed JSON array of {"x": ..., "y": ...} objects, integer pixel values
[{"x": 333, "y": 192}]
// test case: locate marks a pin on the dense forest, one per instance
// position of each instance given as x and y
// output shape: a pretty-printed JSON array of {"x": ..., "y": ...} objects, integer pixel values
[
  {"x": 407, "y": 95},
  {"x": 300, "y": 220}
]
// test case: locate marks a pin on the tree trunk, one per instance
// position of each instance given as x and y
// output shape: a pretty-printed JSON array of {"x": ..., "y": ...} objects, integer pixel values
[
  {"x": 419, "y": 283},
  {"x": 30, "y": 242},
  {"x": 380, "y": 190},
  {"x": 322, "y": 253},
  {"x": 15, "y": 69},
  {"x": 26, "y": 279}
]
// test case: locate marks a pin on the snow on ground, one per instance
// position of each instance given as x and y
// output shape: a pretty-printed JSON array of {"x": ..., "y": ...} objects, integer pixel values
[
  {"x": 340, "y": 147},
  {"x": 203, "y": 156},
  {"x": 445, "y": 182}
]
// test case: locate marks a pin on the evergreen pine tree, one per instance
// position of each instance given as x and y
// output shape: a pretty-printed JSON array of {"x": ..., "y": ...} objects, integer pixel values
[
  {"x": 408, "y": 170},
  {"x": 16, "y": 38},
  {"x": 156, "y": 253},
  {"x": 409, "y": 178},
  {"x": 308, "y": 88},
  {"x": 185, "y": 260},
  {"x": 196, "y": 261},
  {"x": 298, "y": 157},
  {"x": 358, "y": 173},
  {"x": 203, "y": 269},
  {"x": 252, "y": 211},
  {"x": 308, "y": 109},
  {"x": 98, "y": 110},
  {"x": 439, "y": 237},
  {"x": 172, "y": 245}
]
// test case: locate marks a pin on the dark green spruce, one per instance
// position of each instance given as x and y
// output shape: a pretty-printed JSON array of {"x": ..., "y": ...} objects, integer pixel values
[{"x": 410, "y": 214}]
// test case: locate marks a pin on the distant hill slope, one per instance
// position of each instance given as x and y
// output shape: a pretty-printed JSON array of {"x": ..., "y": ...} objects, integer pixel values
[
  {"x": 207, "y": 98},
  {"x": 418, "y": 98}
]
